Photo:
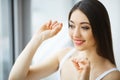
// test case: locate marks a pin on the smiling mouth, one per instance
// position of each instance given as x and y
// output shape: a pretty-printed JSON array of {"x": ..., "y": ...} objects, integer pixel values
[{"x": 79, "y": 42}]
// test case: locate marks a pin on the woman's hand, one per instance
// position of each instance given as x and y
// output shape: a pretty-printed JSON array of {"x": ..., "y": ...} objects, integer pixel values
[
  {"x": 83, "y": 68},
  {"x": 48, "y": 30},
  {"x": 21, "y": 69}
]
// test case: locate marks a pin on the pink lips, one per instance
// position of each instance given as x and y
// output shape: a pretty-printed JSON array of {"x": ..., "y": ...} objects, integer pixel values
[{"x": 79, "y": 42}]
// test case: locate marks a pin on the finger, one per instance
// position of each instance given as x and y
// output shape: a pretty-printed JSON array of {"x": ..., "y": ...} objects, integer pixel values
[
  {"x": 77, "y": 66},
  {"x": 84, "y": 64},
  {"x": 46, "y": 25},
  {"x": 57, "y": 28},
  {"x": 83, "y": 61},
  {"x": 49, "y": 23},
  {"x": 53, "y": 23},
  {"x": 75, "y": 59}
]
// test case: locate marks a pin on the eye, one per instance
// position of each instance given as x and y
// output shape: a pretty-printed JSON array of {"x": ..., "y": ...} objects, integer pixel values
[
  {"x": 85, "y": 27},
  {"x": 71, "y": 26}
]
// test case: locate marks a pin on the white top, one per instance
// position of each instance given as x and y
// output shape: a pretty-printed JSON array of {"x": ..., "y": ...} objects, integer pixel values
[
  {"x": 106, "y": 73},
  {"x": 69, "y": 54}
]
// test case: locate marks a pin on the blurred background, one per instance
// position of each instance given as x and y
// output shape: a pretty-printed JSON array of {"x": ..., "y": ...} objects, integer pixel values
[{"x": 19, "y": 19}]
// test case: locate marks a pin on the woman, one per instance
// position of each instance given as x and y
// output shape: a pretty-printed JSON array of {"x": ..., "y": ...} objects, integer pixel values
[{"x": 90, "y": 59}]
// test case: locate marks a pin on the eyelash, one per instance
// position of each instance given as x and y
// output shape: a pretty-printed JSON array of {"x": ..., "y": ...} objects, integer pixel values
[
  {"x": 83, "y": 27},
  {"x": 71, "y": 26}
]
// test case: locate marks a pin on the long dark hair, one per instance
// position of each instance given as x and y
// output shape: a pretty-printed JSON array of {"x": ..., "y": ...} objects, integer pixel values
[{"x": 100, "y": 23}]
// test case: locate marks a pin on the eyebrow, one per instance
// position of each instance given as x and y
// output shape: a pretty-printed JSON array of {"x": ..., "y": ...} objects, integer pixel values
[{"x": 80, "y": 22}]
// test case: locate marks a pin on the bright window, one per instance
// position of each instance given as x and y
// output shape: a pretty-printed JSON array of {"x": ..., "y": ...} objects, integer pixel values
[{"x": 5, "y": 39}]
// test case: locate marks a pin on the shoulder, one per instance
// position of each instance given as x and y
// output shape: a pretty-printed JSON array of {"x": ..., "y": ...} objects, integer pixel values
[{"x": 114, "y": 75}]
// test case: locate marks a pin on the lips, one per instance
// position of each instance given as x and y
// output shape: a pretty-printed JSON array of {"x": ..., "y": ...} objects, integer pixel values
[{"x": 79, "y": 42}]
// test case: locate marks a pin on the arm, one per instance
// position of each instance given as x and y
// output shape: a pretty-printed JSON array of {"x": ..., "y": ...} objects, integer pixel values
[{"x": 21, "y": 69}]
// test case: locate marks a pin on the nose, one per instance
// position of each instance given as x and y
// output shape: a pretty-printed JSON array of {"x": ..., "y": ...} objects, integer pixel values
[{"x": 77, "y": 32}]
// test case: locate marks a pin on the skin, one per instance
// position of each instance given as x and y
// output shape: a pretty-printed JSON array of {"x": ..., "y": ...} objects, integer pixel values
[
  {"x": 85, "y": 63},
  {"x": 22, "y": 69},
  {"x": 81, "y": 34}
]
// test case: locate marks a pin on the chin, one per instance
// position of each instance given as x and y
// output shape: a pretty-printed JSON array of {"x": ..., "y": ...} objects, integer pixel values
[{"x": 80, "y": 48}]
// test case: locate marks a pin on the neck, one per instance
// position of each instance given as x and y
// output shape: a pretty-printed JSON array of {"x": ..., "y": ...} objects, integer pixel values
[{"x": 92, "y": 56}]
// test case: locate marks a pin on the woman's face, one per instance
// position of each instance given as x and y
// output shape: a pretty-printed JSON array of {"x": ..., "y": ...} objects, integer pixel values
[{"x": 80, "y": 31}]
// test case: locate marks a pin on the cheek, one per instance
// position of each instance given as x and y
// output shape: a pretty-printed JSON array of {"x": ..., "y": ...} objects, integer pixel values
[
  {"x": 91, "y": 39},
  {"x": 91, "y": 36},
  {"x": 70, "y": 33},
  {"x": 88, "y": 35}
]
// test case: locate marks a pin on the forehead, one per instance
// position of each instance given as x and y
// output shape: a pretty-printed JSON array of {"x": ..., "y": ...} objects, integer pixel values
[{"x": 78, "y": 17}]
